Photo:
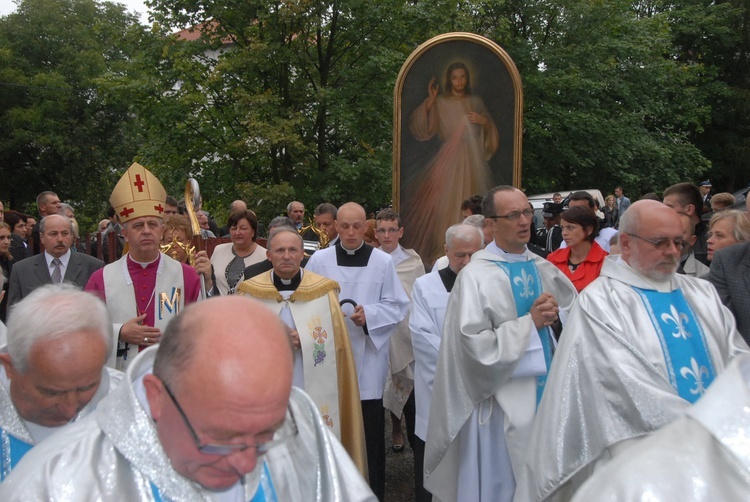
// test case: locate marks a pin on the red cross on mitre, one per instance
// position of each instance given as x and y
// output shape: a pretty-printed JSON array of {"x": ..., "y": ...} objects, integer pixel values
[
  {"x": 159, "y": 208},
  {"x": 139, "y": 182},
  {"x": 126, "y": 211}
]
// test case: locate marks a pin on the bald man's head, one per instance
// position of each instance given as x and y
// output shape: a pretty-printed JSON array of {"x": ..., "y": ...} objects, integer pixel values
[
  {"x": 194, "y": 336},
  {"x": 222, "y": 377},
  {"x": 351, "y": 224},
  {"x": 651, "y": 239}
]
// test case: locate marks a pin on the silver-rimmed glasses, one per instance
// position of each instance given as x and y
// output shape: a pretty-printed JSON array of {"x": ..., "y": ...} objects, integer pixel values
[
  {"x": 287, "y": 431},
  {"x": 663, "y": 243}
]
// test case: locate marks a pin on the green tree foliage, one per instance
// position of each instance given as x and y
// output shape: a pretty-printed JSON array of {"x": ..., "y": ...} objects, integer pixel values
[
  {"x": 608, "y": 105},
  {"x": 60, "y": 131},
  {"x": 273, "y": 92},
  {"x": 295, "y": 98},
  {"x": 717, "y": 35}
]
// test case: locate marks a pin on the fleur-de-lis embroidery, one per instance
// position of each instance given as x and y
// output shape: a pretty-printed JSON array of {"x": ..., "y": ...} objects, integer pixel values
[
  {"x": 525, "y": 280},
  {"x": 679, "y": 319},
  {"x": 697, "y": 372}
]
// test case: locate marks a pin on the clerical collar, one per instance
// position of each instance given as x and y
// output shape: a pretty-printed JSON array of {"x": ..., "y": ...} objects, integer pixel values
[
  {"x": 511, "y": 257},
  {"x": 143, "y": 264},
  {"x": 352, "y": 251},
  {"x": 287, "y": 284},
  {"x": 356, "y": 258},
  {"x": 448, "y": 276}
]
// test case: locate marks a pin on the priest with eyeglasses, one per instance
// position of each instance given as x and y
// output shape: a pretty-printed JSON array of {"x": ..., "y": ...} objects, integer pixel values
[
  {"x": 207, "y": 415},
  {"x": 640, "y": 346}
]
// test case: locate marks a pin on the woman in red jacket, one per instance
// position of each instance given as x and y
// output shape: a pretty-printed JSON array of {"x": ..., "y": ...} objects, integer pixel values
[{"x": 582, "y": 258}]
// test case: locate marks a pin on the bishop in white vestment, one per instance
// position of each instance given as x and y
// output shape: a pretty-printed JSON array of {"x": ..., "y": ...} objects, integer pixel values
[{"x": 144, "y": 289}]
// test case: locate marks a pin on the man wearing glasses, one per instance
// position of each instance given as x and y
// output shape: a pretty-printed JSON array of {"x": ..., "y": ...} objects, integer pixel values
[
  {"x": 642, "y": 345},
  {"x": 208, "y": 414},
  {"x": 494, "y": 356},
  {"x": 398, "y": 396}
]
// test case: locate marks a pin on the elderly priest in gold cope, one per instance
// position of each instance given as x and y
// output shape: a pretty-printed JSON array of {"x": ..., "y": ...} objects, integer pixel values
[
  {"x": 323, "y": 363},
  {"x": 144, "y": 289},
  {"x": 208, "y": 414}
]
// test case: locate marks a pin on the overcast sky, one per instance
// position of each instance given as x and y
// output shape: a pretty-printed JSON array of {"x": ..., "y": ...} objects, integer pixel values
[{"x": 8, "y": 6}]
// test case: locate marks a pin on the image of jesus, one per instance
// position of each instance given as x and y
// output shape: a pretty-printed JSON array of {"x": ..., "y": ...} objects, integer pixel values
[{"x": 469, "y": 139}]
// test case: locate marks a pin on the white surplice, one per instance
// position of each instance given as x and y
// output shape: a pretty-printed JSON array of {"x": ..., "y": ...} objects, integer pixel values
[
  {"x": 377, "y": 288},
  {"x": 609, "y": 381},
  {"x": 400, "y": 381},
  {"x": 485, "y": 386},
  {"x": 429, "y": 301},
  {"x": 702, "y": 457}
]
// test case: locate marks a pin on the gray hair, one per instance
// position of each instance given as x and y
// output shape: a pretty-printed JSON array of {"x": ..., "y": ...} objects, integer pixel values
[
  {"x": 43, "y": 220},
  {"x": 475, "y": 220},
  {"x": 52, "y": 312},
  {"x": 463, "y": 232},
  {"x": 42, "y": 197},
  {"x": 281, "y": 221},
  {"x": 629, "y": 222},
  {"x": 277, "y": 230},
  {"x": 289, "y": 206},
  {"x": 63, "y": 206}
]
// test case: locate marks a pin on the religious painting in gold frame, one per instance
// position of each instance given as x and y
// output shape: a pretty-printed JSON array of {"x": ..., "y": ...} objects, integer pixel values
[{"x": 457, "y": 131}]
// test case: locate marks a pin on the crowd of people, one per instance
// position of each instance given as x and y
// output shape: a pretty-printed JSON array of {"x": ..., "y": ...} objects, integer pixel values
[{"x": 162, "y": 362}]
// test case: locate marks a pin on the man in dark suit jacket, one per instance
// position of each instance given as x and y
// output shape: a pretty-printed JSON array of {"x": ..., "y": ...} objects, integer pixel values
[
  {"x": 730, "y": 273},
  {"x": 56, "y": 233}
]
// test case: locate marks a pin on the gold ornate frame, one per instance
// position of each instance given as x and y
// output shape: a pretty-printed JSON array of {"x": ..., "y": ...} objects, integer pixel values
[{"x": 500, "y": 88}]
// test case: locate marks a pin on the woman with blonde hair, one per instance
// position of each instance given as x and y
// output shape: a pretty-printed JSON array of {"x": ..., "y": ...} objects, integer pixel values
[
  {"x": 611, "y": 214},
  {"x": 727, "y": 228}
]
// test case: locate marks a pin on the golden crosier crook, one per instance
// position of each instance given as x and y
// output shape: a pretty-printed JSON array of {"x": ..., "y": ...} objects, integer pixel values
[
  {"x": 189, "y": 250},
  {"x": 322, "y": 235},
  {"x": 193, "y": 200}
]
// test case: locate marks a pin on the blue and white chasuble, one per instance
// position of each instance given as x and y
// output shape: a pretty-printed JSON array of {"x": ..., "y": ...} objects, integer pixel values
[
  {"x": 12, "y": 450},
  {"x": 682, "y": 340},
  {"x": 527, "y": 286}
]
